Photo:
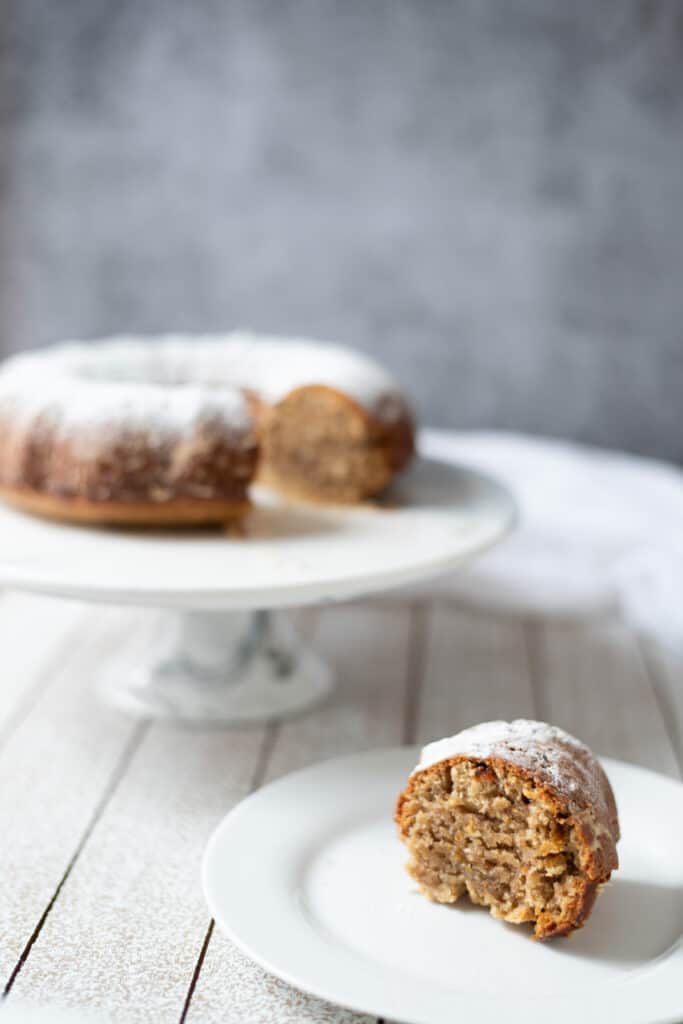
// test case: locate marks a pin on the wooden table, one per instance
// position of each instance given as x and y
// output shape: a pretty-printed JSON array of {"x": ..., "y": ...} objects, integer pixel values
[{"x": 104, "y": 819}]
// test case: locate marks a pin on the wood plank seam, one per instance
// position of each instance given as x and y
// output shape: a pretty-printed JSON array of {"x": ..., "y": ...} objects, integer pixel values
[
  {"x": 532, "y": 630},
  {"x": 117, "y": 775},
  {"x": 197, "y": 971},
  {"x": 417, "y": 644},
  {"x": 270, "y": 736},
  {"x": 261, "y": 767},
  {"x": 421, "y": 612},
  {"x": 502, "y": 616},
  {"x": 660, "y": 692}
]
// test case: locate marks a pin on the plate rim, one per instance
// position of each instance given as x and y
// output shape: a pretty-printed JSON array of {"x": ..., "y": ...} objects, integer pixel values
[
  {"x": 290, "y": 594},
  {"x": 487, "y": 1007}
]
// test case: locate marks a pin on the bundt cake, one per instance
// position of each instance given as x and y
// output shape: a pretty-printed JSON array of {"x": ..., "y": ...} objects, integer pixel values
[
  {"x": 172, "y": 430},
  {"x": 518, "y": 815}
]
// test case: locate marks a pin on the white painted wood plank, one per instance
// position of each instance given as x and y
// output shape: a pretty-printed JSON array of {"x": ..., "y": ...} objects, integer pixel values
[
  {"x": 664, "y": 664},
  {"x": 591, "y": 680},
  {"x": 54, "y": 769},
  {"x": 369, "y": 649},
  {"x": 234, "y": 990},
  {"x": 34, "y": 634},
  {"x": 476, "y": 670},
  {"x": 125, "y": 934}
]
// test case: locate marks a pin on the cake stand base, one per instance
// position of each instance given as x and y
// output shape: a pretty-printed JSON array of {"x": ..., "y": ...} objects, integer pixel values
[{"x": 220, "y": 668}]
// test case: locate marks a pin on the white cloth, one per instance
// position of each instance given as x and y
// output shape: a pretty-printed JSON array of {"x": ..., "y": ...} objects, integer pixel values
[{"x": 597, "y": 530}]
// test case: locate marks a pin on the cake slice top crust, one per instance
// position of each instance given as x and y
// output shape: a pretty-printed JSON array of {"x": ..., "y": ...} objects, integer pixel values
[{"x": 545, "y": 753}]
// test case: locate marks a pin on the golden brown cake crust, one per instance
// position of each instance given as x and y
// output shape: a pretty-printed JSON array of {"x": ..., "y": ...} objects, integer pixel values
[
  {"x": 559, "y": 773},
  {"x": 128, "y": 476},
  {"x": 175, "y": 512}
]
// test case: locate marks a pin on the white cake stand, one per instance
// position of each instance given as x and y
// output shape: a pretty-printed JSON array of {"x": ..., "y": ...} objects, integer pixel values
[{"x": 221, "y": 654}]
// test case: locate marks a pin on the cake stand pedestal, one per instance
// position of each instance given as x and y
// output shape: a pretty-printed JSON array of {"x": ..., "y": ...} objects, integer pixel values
[
  {"x": 221, "y": 653},
  {"x": 221, "y": 668}
]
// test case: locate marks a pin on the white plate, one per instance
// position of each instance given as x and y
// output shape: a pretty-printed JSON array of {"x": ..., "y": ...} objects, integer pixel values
[
  {"x": 436, "y": 516},
  {"x": 307, "y": 877}
]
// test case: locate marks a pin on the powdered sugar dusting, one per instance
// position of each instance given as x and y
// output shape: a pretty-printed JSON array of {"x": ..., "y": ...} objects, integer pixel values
[
  {"x": 63, "y": 402},
  {"x": 560, "y": 759},
  {"x": 89, "y": 381}
]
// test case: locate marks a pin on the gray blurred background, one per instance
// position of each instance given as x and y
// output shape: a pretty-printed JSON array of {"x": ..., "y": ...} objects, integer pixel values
[{"x": 487, "y": 195}]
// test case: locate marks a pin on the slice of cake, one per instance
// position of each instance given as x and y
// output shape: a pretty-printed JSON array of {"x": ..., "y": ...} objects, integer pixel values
[{"x": 518, "y": 815}]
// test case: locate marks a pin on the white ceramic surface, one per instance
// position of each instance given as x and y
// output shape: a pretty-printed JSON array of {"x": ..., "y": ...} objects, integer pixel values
[
  {"x": 219, "y": 668},
  {"x": 435, "y": 517},
  {"x": 307, "y": 877}
]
